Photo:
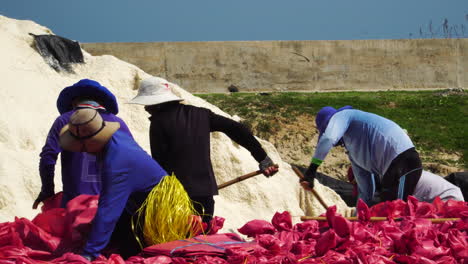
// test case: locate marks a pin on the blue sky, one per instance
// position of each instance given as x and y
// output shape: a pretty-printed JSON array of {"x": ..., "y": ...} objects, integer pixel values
[{"x": 221, "y": 20}]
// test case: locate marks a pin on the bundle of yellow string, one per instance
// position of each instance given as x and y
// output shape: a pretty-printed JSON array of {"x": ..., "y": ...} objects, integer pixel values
[{"x": 168, "y": 213}]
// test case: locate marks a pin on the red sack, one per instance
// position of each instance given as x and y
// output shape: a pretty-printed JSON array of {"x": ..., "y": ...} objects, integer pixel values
[
  {"x": 213, "y": 245},
  {"x": 282, "y": 221},
  {"x": 34, "y": 237},
  {"x": 52, "y": 221},
  {"x": 257, "y": 227}
]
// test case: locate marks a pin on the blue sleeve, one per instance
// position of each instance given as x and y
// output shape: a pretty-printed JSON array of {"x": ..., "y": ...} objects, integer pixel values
[
  {"x": 335, "y": 130},
  {"x": 365, "y": 183},
  {"x": 114, "y": 195},
  {"x": 49, "y": 153}
]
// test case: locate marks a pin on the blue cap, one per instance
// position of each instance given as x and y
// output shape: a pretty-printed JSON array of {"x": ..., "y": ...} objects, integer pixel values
[
  {"x": 324, "y": 116},
  {"x": 87, "y": 88}
]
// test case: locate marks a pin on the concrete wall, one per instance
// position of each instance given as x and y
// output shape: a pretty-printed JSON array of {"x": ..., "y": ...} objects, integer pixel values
[{"x": 300, "y": 65}]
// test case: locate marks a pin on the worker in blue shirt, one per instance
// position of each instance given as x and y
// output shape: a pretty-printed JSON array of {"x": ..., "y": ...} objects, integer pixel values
[
  {"x": 375, "y": 145},
  {"x": 80, "y": 171},
  {"x": 128, "y": 175}
]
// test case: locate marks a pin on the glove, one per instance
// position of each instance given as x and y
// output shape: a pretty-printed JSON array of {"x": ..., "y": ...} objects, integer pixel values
[
  {"x": 267, "y": 167},
  {"x": 310, "y": 174},
  {"x": 43, "y": 195},
  {"x": 46, "y": 171}
]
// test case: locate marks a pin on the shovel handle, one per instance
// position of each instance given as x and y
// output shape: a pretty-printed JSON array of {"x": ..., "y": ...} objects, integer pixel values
[
  {"x": 378, "y": 218},
  {"x": 241, "y": 178},
  {"x": 301, "y": 176}
]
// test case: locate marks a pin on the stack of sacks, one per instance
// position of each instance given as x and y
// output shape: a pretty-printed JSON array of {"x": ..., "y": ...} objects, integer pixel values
[{"x": 412, "y": 239}]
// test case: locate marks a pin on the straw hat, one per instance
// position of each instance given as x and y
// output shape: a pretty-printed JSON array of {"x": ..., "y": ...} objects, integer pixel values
[
  {"x": 87, "y": 88},
  {"x": 86, "y": 131},
  {"x": 154, "y": 90}
]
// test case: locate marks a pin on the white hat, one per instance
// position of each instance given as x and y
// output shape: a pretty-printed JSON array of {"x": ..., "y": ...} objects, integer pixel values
[{"x": 154, "y": 90}]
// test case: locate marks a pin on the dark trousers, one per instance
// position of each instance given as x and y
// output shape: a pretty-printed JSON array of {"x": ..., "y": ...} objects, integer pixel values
[
  {"x": 406, "y": 164},
  {"x": 124, "y": 237},
  {"x": 204, "y": 206}
]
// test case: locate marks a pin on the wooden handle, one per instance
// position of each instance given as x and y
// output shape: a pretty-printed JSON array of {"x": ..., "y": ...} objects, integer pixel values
[
  {"x": 377, "y": 219},
  {"x": 299, "y": 174},
  {"x": 241, "y": 178}
]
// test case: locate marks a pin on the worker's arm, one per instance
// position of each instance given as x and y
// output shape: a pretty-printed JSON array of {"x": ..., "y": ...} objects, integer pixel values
[
  {"x": 240, "y": 134},
  {"x": 115, "y": 192},
  {"x": 48, "y": 159},
  {"x": 335, "y": 130}
]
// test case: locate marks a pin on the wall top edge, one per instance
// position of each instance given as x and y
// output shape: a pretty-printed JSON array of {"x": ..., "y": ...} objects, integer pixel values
[{"x": 282, "y": 41}]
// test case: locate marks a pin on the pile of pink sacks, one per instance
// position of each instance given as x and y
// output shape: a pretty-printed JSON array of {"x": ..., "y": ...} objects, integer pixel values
[
  {"x": 407, "y": 237},
  {"x": 411, "y": 239}
]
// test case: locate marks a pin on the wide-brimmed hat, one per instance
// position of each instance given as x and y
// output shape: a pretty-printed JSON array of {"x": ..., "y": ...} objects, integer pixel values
[
  {"x": 153, "y": 91},
  {"x": 87, "y": 88},
  {"x": 86, "y": 131},
  {"x": 324, "y": 116}
]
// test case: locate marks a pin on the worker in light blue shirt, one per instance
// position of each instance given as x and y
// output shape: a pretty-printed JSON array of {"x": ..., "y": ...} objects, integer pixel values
[{"x": 375, "y": 145}]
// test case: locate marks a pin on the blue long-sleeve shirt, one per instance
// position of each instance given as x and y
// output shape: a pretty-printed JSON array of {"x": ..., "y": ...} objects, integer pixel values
[
  {"x": 126, "y": 169},
  {"x": 372, "y": 143},
  {"x": 80, "y": 171}
]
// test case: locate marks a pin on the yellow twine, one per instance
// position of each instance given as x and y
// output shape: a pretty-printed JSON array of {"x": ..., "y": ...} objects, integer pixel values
[{"x": 167, "y": 213}]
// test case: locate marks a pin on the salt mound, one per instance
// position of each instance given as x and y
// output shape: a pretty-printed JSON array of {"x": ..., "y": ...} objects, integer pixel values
[{"x": 29, "y": 91}]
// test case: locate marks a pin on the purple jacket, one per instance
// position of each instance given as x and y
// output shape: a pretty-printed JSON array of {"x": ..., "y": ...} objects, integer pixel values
[{"x": 80, "y": 171}]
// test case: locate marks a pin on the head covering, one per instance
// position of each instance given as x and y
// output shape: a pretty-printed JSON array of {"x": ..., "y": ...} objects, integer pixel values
[
  {"x": 324, "y": 115},
  {"x": 153, "y": 91},
  {"x": 86, "y": 131},
  {"x": 87, "y": 88}
]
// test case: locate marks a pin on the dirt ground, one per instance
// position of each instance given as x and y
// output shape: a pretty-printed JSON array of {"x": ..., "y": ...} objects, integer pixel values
[{"x": 296, "y": 142}]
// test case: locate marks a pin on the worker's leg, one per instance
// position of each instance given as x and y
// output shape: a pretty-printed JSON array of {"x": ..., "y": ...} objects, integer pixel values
[
  {"x": 123, "y": 239},
  {"x": 402, "y": 176},
  {"x": 128, "y": 235},
  {"x": 204, "y": 205}
]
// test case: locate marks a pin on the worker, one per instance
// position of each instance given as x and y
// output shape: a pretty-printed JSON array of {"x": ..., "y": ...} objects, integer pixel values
[
  {"x": 375, "y": 145},
  {"x": 80, "y": 171},
  {"x": 428, "y": 187},
  {"x": 180, "y": 141},
  {"x": 128, "y": 175}
]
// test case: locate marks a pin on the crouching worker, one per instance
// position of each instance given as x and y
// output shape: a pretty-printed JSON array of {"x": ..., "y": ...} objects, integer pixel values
[
  {"x": 427, "y": 189},
  {"x": 130, "y": 179}
]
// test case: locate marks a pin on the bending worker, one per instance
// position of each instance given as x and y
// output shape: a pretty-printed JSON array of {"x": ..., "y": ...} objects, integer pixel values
[
  {"x": 128, "y": 175},
  {"x": 375, "y": 145},
  {"x": 180, "y": 141},
  {"x": 80, "y": 171}
]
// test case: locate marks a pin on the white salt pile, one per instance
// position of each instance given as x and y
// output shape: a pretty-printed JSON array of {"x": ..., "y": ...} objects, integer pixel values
[{"x": 29, "y": 91}]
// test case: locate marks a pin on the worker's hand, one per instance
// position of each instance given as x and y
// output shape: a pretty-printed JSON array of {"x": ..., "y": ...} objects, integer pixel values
[
  {"x": 310, "y": 174},
  {"x": 267, "y": 167},
  {"x": 43, "y": 195}
]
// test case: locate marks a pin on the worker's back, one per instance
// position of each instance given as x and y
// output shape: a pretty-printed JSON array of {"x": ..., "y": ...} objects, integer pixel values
[{"x": 180, "y": 142}]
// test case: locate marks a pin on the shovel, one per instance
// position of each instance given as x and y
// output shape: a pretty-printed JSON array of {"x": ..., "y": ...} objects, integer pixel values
[
  {"x": 241, "y": 178},
  {"x": 299, "y": 174}
]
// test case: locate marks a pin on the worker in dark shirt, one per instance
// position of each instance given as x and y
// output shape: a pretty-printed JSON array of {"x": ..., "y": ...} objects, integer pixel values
[{"x": 180, "y": 141}]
